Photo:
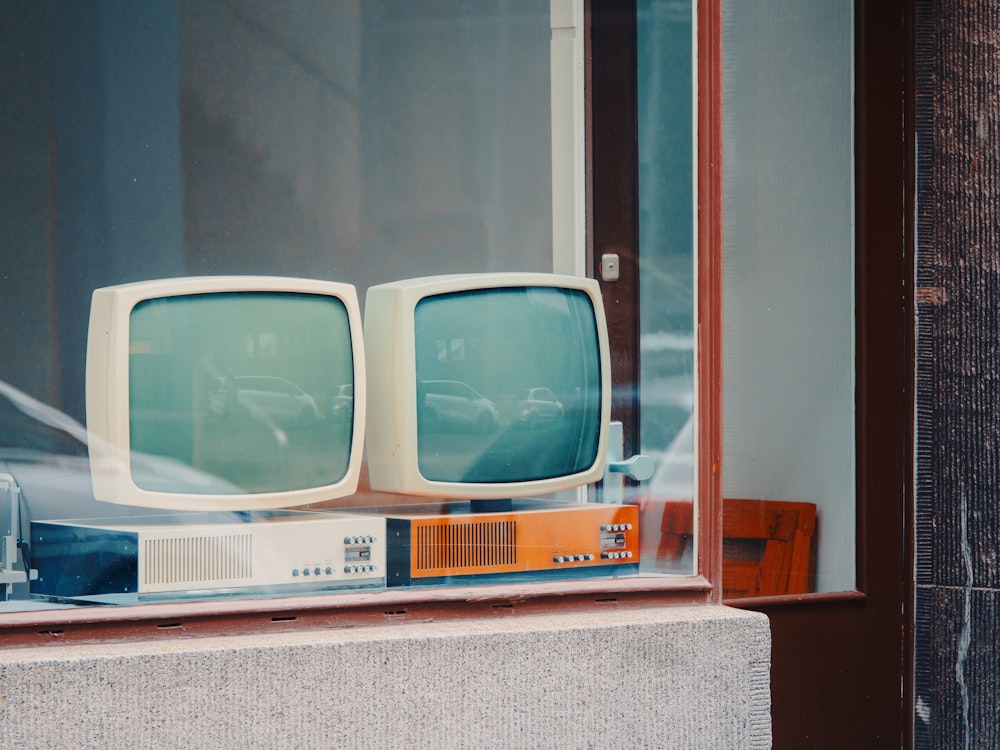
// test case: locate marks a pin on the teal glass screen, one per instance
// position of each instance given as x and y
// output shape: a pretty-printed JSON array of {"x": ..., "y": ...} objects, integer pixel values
[
  {"x": 508, "y": 384},
  {"x": 244, "y": 391}
]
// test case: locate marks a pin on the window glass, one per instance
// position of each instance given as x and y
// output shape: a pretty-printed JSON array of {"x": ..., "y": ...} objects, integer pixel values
[
  {"x": 357, "y": 141},
  {"x": 789, "y": 414},
  {"x": 667, "y": 280}
]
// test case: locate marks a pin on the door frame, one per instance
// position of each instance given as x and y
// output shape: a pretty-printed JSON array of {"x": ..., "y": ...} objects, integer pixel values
[{"x": 841, "y": 674}]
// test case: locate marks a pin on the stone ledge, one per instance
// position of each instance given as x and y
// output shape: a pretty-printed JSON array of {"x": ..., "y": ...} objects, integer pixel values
[{"x": 666, "y": 677}]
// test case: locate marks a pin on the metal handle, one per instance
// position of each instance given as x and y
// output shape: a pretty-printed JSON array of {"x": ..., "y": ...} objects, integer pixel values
[
  {"x": 10, "y": 525},
  {"x": 638, "y": 467}
]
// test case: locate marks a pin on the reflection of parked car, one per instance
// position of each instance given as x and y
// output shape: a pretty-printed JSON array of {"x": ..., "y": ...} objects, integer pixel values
[
  {"x": 455, "y": 403},
  {"x": 274, "y": 397},
  {"x": 340, "y": 406},
  {"x": 535, "y": 405},
  {"x": 44, "y": 452}
]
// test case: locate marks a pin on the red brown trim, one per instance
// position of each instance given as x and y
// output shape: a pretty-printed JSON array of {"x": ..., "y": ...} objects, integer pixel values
[
  {"x": 755, "y": 602},
  {"x": 158, "y": 622},
  {"x": 709, "y": 61},
  {"x": 221, "y": 607}
]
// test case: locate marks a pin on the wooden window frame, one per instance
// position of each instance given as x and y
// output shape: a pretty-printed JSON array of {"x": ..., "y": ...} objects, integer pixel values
[{"x": 612, "y": 222}]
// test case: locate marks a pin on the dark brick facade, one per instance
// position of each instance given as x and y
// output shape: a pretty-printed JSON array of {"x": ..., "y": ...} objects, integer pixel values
[{"x": 957, "y": 472}]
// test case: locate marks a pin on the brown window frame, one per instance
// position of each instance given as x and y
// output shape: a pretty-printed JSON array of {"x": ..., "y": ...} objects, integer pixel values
[{"x": 612, "y": 221}]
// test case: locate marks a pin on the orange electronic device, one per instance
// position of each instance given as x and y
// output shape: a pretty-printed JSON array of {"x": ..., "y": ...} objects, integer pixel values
[{"x": 451, "y": 542}]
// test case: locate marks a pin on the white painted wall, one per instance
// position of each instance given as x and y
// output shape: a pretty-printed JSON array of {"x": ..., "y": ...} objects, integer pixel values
[{"x": 789, "y": 264}]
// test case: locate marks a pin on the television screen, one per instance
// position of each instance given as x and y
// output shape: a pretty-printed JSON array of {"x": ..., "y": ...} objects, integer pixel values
[
  {"x": 246, "y": 383},
  {"x": 486, "y": 386}
]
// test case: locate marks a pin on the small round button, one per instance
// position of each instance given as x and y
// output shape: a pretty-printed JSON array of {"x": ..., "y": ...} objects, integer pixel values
[{"x": 295, "y": 573}]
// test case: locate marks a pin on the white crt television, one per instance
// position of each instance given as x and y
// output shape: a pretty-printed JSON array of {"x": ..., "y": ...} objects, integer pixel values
[
  {"x": 225, "y": 393},
  {"x": 486, "y": 386}
]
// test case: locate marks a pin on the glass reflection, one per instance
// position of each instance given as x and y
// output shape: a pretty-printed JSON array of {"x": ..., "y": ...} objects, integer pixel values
[
  {"x": 232, "y": 385},
  {"x": 665, "y": 71},
  {"x": 508, "y": 384}
]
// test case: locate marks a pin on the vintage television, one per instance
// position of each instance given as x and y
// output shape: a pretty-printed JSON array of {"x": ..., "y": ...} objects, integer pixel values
[
  {"x": 488, "y": 394},
  {"x": 211, "y": 400}
]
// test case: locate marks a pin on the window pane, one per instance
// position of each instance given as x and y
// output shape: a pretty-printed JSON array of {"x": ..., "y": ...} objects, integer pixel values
[
  {"x": 667, "y": 280},
  {"x": 356, "y": 141},
  {"x": 789, "y": 282},
  {"x": 361, "y": 141}
]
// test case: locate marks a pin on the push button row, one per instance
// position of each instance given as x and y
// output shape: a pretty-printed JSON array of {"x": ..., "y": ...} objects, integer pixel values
[
  {"x": 359, "y": 540},
  {"x": 317, "y": 571},
  {"x": 330, "y": 570},
  {"x": 616, "y": 527},
  {"x": 367, "y": 568},
  {"x": 616, "y": 555},
  {"x": 572, "y": 558}
]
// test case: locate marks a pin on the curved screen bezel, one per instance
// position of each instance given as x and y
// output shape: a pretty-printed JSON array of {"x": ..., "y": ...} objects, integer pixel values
[
  {"x": 108, "y": 396},
  {"x": 391, "y": 429}
]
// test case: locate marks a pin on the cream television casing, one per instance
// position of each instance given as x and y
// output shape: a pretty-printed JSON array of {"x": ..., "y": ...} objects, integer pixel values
[
  {"x": 391, "y": 427},
  {"x": 107, "y": 393}
]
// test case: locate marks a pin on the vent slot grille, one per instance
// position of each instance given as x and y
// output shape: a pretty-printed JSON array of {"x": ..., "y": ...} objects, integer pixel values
[
  {"x": 466, "y": 545},
  {"x": 198, "y": 559}
]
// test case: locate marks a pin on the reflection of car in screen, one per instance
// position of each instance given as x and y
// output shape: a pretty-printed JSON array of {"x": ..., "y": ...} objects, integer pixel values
[
  {"x": 276, "y": 398},
  {"x": 450, "y": 402},
  {"x": 341, "y": 404},
  {"x": 533, "y": 406},
  {"x": 45, "y": 451}
]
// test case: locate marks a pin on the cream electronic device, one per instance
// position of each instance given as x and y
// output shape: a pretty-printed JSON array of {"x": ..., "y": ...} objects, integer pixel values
[{"x": 127, "y": 560}]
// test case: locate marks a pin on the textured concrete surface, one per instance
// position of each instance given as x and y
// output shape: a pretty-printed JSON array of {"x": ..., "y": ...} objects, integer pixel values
[{"x": 670, "y": 677}]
